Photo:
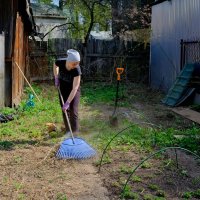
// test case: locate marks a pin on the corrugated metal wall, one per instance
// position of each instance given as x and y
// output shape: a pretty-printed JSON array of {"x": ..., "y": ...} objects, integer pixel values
[{"x": 171, "y": 21}]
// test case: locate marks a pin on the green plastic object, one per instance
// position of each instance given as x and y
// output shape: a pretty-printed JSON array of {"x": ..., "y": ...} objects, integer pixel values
[
  {"x": 30, "y": 103},
  {"x": 180, "y": 86}
]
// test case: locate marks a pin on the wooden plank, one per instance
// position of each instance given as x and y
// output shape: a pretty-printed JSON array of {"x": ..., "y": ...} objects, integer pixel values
[
  {"x": 112, "y": 56},
  {"x": 20, "y": 59},
  {"x": 14, "y": 68},
  {"x": 2, "y": 71},
  {"x": 188, "y": 113}
]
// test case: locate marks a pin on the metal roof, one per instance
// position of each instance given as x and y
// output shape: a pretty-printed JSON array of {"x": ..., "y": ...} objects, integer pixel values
[
  {"x": 41, "y": 9},
  {"x": 158, "y": 2}
]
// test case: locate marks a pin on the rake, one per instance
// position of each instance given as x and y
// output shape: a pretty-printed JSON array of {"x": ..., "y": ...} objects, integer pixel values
[{"x": 74, "y": 147}]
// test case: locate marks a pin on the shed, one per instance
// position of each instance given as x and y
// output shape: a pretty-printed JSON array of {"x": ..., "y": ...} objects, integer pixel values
[
  {"x": 50, "y": 17},
  {"x": 16, "y": 24},
  {"x": 175, "y": 40}
]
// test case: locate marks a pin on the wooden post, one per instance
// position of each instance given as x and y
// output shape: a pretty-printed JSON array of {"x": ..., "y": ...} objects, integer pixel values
[{"x": 2, "y": 70}]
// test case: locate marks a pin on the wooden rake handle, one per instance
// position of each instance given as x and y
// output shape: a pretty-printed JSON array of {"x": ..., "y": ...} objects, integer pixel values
[{"x": 66, "y": 115}]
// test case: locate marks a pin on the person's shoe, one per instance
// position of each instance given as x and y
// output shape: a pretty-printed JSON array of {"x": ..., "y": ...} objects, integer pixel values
[
  {"x": 63, "y": 128},
  {"x": 67, "y": 135},
  {"x": 3, "y": 120},
  {"x": 10, "y": 117}
]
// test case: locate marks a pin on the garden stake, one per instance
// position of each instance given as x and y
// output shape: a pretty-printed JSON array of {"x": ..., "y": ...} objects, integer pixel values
[
  {"x": 113, "y": 119},
  {"x": 118, "y": 133},
  {"x": 104, "y": 151},
  {"x": 74, "y": 147},
  {"x": 27, "y": 81}
]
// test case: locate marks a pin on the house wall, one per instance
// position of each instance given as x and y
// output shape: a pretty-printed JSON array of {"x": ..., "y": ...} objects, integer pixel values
[
  {"x": 46, "y": 23},
  {"x": 171, "y": 21}
]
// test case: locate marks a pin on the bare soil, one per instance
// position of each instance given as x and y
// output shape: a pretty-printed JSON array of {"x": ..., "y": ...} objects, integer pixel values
[
  {"x": 172, "y": 179},
  {"x": 171, "y": 182},
  {"x": 28, "y": 174}
]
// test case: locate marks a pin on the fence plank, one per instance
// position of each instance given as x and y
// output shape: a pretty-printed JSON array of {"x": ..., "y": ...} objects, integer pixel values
[{"x": 102, "y": 56}]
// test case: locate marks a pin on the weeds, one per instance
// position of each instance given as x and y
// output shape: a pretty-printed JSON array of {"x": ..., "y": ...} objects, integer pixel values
[
  {"x": 152, "y": 197},
  {"x": 17, "y": 185},
  {"x": 125, "y": 169},
  {"x": 153, "y": 187},
  {"x": 30, "y": 123},
  {"x": 103, "y": 93},
  {"x": 136, "y": 179},
  {"x": 194, "y": 194},
  {"x": 61, "y": 196},
  {"x": 129, "y": 194}
]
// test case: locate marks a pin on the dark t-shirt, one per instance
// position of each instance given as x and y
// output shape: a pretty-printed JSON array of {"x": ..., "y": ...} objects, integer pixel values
[{"x": 66, "y": 75}]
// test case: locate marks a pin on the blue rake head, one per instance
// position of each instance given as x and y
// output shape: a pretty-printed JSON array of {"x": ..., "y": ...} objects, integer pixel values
[{"x": 79, "y": 149}]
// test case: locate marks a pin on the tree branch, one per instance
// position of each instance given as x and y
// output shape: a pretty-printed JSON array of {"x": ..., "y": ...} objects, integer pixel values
[
  {"x": 86, "y": 4},
  {"x": 57, "y": 26}
]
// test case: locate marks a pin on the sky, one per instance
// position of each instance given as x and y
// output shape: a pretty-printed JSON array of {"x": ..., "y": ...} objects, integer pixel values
[{"x": 55, "y": 2}]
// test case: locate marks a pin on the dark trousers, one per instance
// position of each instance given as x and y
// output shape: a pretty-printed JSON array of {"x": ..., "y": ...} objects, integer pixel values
[{"x": 73, "y": 108}]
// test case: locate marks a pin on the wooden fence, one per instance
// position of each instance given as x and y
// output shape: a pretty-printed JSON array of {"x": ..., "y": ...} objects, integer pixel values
[{"x": 101, "y": 58}]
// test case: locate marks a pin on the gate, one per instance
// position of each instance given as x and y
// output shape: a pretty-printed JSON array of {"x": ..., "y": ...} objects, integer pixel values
[{"x": 190, "y": 52}]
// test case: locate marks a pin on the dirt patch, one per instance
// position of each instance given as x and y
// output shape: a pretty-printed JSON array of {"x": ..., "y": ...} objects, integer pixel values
[
  {"x": 156, "y": 116},
  {"x": 26, "y": 174},
  {"x": 158, "y": 178},
  {"x": 147, "y": 103}
]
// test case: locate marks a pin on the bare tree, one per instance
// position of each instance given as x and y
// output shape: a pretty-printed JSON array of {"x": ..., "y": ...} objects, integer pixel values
[
  {"x": 90, "y": 6},
  {"x": 90, "y": 9},
  {"x": 130, "y": 15}
]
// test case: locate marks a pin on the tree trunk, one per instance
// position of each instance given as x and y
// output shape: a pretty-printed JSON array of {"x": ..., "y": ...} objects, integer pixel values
[{"x": 61, "y": 4}]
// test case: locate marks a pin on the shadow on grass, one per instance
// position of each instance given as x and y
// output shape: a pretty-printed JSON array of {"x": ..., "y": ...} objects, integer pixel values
[{"x": 8, "y": 145}]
